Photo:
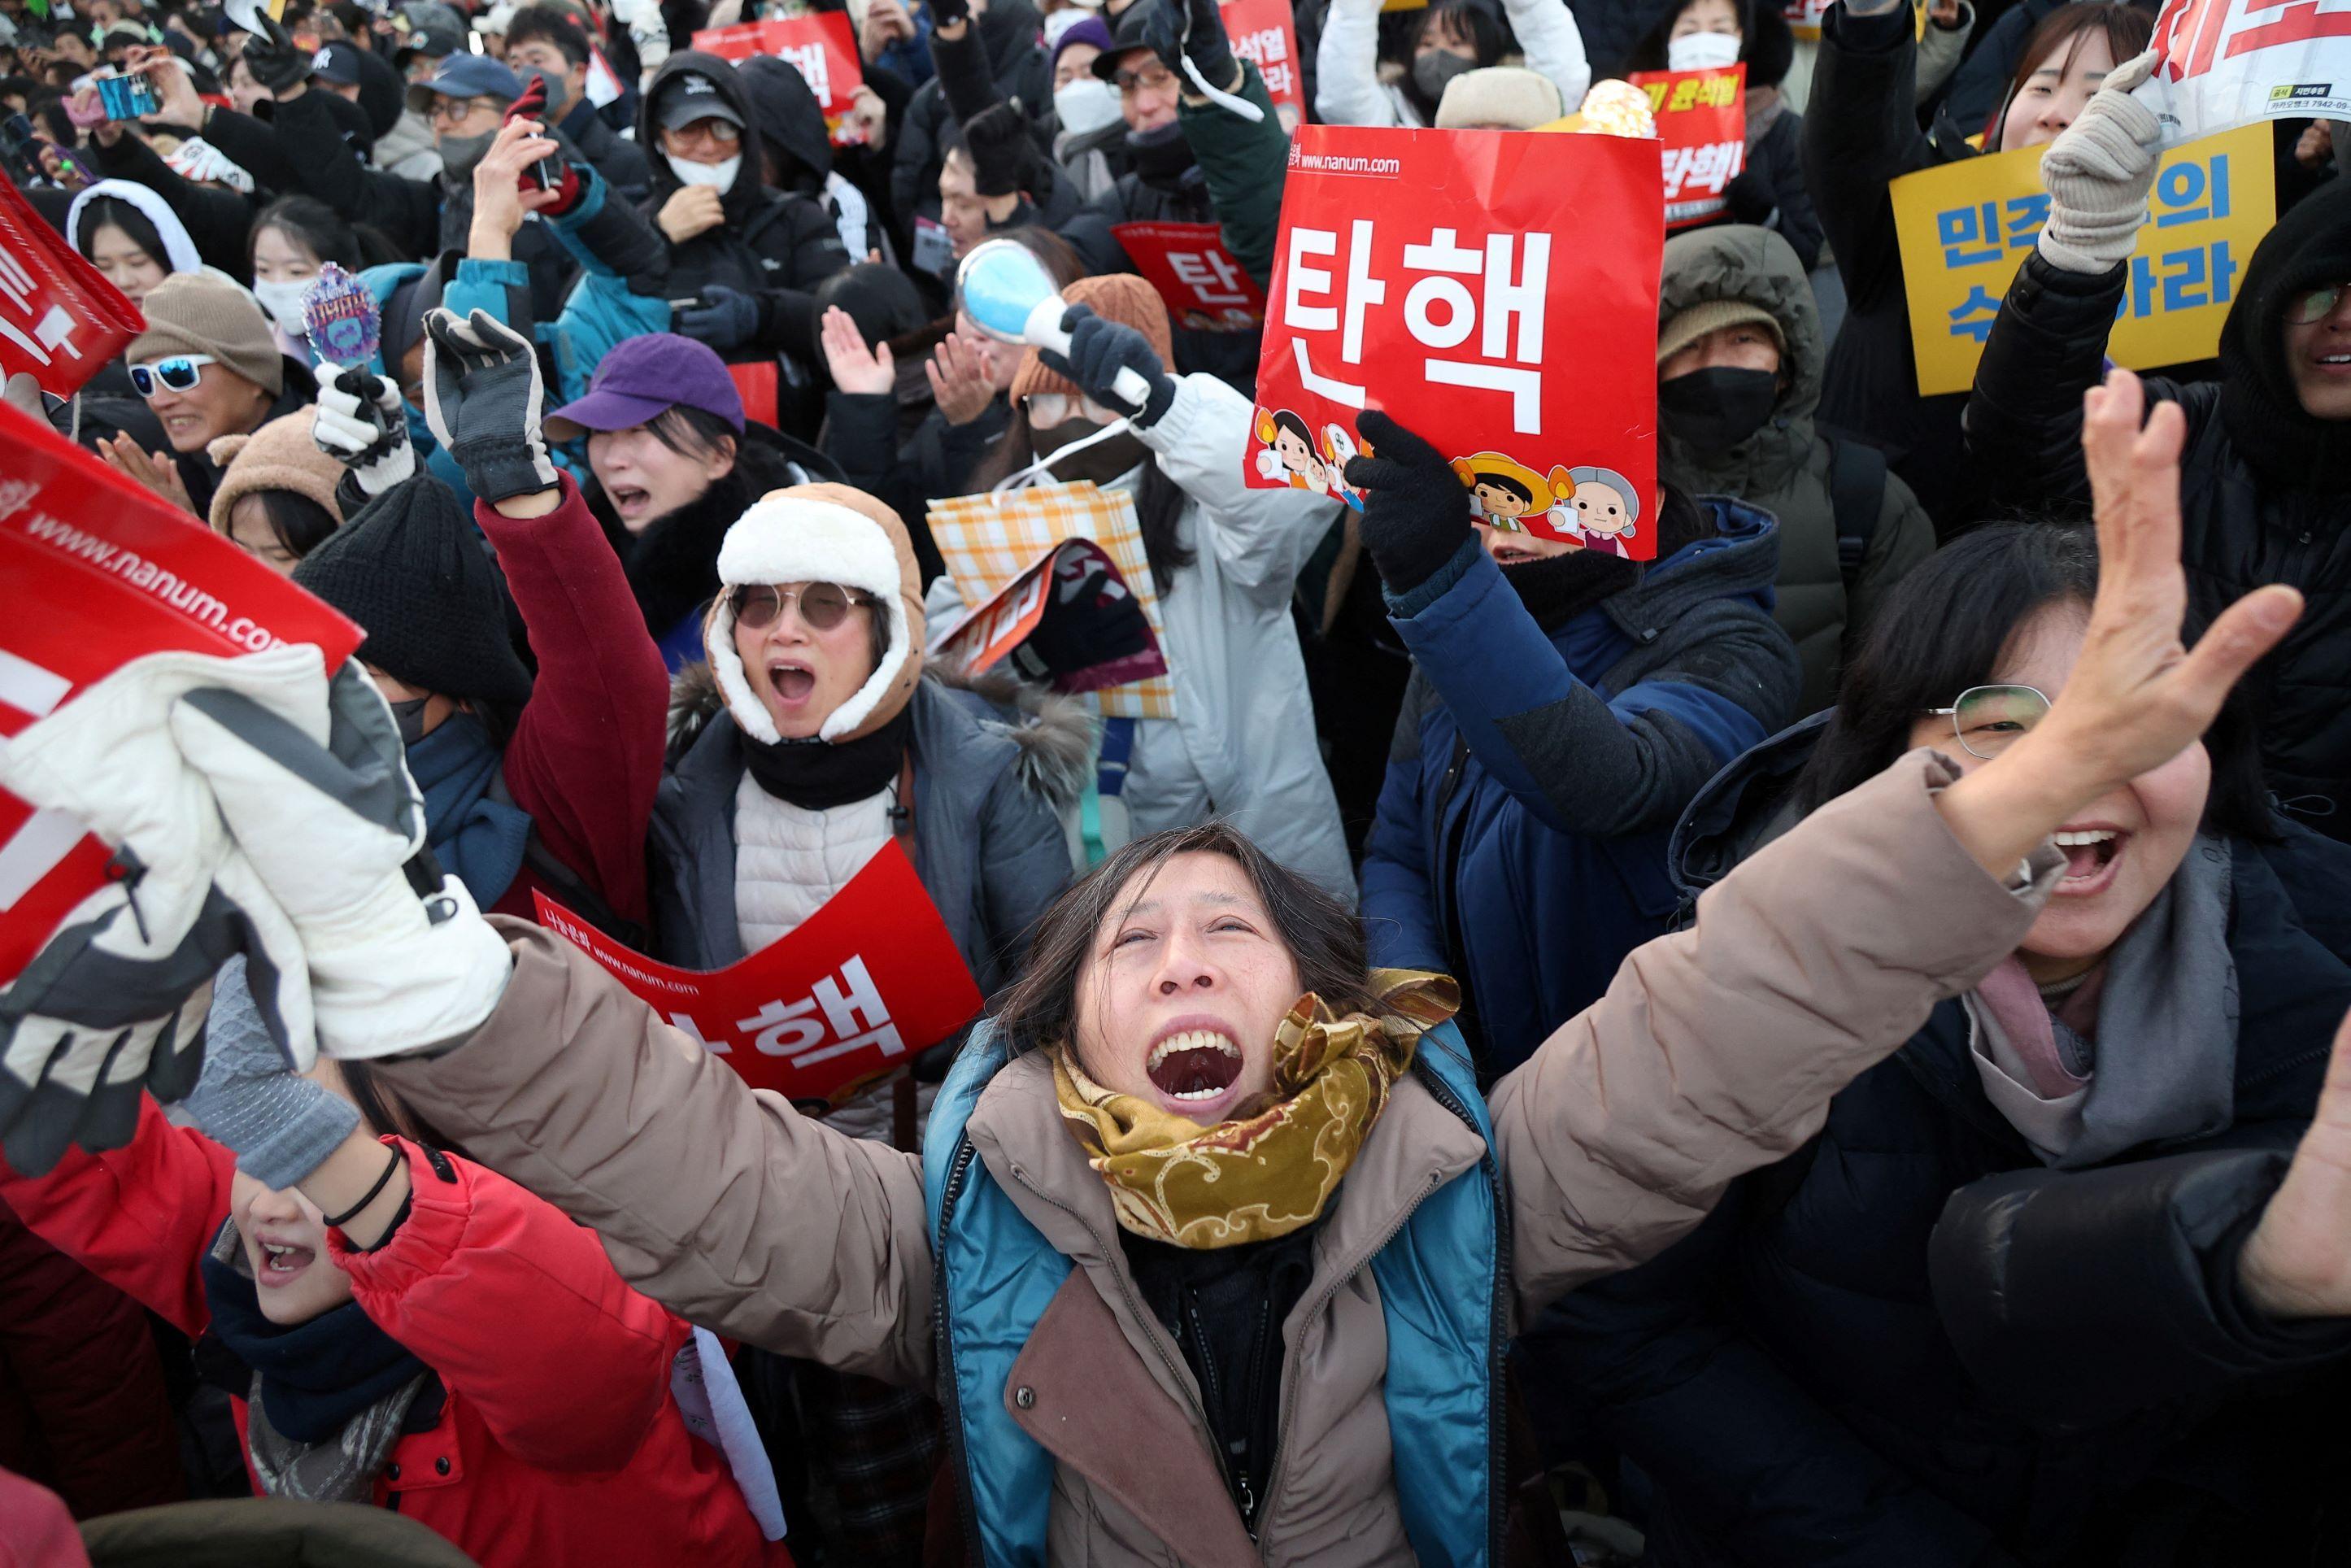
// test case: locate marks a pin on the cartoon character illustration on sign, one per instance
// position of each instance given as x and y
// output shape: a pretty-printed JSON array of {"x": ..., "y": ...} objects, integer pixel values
[
  {"x": 1338, "y": 447},
  {"x": 1289, "y": 450},
  {"x": 1607, "y": 507},
  {"x": 1504, "y": 491}
]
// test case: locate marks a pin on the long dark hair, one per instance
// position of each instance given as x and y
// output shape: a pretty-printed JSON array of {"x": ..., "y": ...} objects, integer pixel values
[
  {"x": 323, "y": 233},
  {"x": 121, "y": 215},
  {"x": 1324, "y": 938},
  {"x": 298, "y": 523},
  {"x": 386, "y": 1112},
  {"x": 1159, "y": 507},
  {"x": 2127, "y": 27},
  {"x": 1946, "y": 626}
]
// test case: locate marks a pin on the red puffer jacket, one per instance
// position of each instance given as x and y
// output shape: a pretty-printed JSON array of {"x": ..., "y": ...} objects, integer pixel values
[{"x": 558, "y": 1442}]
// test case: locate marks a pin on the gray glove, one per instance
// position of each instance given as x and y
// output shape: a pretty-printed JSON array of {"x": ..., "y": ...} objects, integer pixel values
[
  {"x": 2098, "y": 172},
  {"x": 281, "y": 1126},
  {"x": 484, "y": 399},
  {"x": 360, "y": 424}
]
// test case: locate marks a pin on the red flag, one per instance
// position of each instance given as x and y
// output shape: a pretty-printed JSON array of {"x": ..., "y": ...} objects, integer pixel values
[{"x": 59, "y": 318}]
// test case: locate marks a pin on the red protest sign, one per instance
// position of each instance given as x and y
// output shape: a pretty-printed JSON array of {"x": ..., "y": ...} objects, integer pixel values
[
  {"x": 2224, "y": 63},
  {"x": 1080, "y": 588},
  {"x": 1262, "y": 31},
  {"x": 820, "y": 47},
  {"x": 850, "y": 997},
  {"x": 59, "y": 318},
  {"x": 1702, "y": 121},
  {"x": 114, "y": 573},
  {"x": 1496, "y": 292},
  {"x": 1205, "y": 288}
]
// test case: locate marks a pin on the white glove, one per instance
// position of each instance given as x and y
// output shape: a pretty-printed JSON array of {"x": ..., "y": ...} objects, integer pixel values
[
  {"x": 116, "y": 998},
  {"x": 362, "y": 425},
  {"x": 2098, "y": 172},
  {"x": 310, "y": 778}
]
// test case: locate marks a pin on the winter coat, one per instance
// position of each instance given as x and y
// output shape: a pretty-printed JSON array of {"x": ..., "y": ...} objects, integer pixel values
[
  {"x": 2244, "y": 521},
  {"x": 1816, "y": 958},
  {"x": 862, "y": 435},
  {"x": 1244, "y": 728},
  {"x": 1784, "y": 467},
  {"x": 219, "y": 221},
  {"x": 1519, "y": 844},
  {"x": 1912, "y": 1343},
  {"x": 1769, "y": 192},
  {"x": 988, "y": 845},
  {"x": 554, "y": 1437},
  {"x": 1023, "y": 74},
  {"x": 585, "y": 758},
  {"x": 624, "y": 163},
  {"x": 1861, "y": 130},
  {"x": 792, "y": 123},
  {"x": 1615, "y": 30},
  {"x": 774, "y": 246},
  {"x": 1347, "y": 86},
  {"x": 408, "y": 149}
]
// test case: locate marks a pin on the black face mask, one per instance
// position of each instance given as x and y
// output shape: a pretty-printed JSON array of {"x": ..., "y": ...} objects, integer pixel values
[
  {"x": 1100, "y": 462},
  {"x": 1435, "y": 70},
  {"x": 1162, "y": 157},
  {"x": 1715, "y": 409},
  {"x": 410, "y": 715}
]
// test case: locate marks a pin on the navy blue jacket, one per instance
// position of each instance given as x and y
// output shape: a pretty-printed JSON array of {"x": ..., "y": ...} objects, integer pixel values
[
  {"x": 1911, "y": 1342},
  {"x": 1519, "y": 844}
]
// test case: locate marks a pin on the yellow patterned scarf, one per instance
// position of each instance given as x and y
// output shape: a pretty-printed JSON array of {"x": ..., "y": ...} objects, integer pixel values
[{"x": 1265, "y": 1173}]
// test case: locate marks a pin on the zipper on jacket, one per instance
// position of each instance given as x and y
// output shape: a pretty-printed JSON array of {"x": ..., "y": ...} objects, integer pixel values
[
  {"x": 1498, "y": 1334},
  {"x": 950, "y": 1397}
]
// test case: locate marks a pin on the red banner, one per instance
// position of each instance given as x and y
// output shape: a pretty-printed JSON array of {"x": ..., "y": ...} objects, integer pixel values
[
  {"x": 1702, "y": 121},
  {"x": 850, "y": 997},
  {"x": 1001, "y": 624},
  {"x": 59, "y": 318},
  {"x": 1205, "y": 288},
  {"x": 819, "y": 45},
  {"x": 111, "y": 573},
  {"x": 1497, "y": 292},
  {"x": 1263, "y": 31}
]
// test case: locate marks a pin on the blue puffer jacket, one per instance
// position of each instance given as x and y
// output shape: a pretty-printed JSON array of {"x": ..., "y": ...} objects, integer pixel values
[
  {"x": 1443, "y": 1280},
  {"x": 1521, "y": 838}
]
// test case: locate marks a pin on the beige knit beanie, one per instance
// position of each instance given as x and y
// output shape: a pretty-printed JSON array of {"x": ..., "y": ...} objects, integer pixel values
[
  {"x": 281, "y": 456},
  {"x": 1118, "y": 296},
  {"x": 200, "y": 313}
]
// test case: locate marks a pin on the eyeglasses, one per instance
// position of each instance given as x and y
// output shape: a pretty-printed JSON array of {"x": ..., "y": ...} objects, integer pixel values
[
  {"x": 823, "y": 605},
  {"x": 725, "y": 133},
  {"x": 1154, "y": 78},
  {"x": 179, "y": 373},
  {"x": 457, "y": 110},
  {"x": 2316, "y": 305},
  {"x": 1988, "y": 719}
]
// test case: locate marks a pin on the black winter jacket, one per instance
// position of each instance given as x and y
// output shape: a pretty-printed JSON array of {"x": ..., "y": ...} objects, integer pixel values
[
  {"x": 774, "y": 246},
  {"x": 1860, "y": 132},
  {"x": 622, "y": 162},
  {"x": 1770, "y": 190},
  {"x": 1909, "y": 1342},
  {"x": 2265, "y": 490},
  {"x": 1023, "y": 73}
]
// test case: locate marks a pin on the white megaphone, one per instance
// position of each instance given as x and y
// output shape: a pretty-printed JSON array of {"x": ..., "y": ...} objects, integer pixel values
[{"x": 1006, "y": 290}]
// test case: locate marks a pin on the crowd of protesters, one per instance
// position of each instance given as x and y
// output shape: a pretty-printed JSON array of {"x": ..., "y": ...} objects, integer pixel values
[{"x": 1826, "y": 1046}]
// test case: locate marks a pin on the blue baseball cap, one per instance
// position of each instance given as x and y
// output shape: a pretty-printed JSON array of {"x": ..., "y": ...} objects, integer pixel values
[
  {"x": 643, "y": 378},
  {"x": 465, "y": 76}
]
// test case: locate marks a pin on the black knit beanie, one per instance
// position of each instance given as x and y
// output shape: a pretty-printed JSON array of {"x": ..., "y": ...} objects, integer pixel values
[
  {"x": 410, "y": 568},
  {"x": 2310, "y": 247}
]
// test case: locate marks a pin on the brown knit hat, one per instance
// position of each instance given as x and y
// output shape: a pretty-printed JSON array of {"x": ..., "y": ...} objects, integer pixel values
[
  {"x": 203, "y": 313},
  {"x": 281, "y": 456},
  {"x": 1713, "y": 316},
  {"x": 1118, "y": 296}
]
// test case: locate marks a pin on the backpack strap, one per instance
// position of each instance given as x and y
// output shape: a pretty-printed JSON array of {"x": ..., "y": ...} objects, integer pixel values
[{"x": 1857, "y": 495}]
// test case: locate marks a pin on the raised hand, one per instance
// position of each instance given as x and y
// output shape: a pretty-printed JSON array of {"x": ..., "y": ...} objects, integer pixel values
[
  {"x": 484, "y": 400},
  {"x": 275, "y": 61},
  {"x": 361, "y": 424},
  {"x": 500, "y": 199},
  {"x": 959, "y": 381},
  {"x": 856, "y": 370},
  {"x": 1416, "y": 512},
  {"x": 2098, "y": 172},
  {"x": 155, "y": 471},
  {"x": 1099, "y": 350},
  {"x": 2297, "y": 1261}
]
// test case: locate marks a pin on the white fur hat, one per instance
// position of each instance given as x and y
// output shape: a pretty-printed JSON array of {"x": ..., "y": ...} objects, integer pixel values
[{"x": 821, "y": 533}]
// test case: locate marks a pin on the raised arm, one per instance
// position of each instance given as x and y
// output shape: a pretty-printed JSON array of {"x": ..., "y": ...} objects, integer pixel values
[
  {"x": 1347, "y": 89},
  {"x": 1861, "y": 130}
]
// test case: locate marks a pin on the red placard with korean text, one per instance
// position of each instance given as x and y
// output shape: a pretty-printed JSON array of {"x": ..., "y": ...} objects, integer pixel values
[
  {"x": 1204, "y": 288},
  {"x": 1263, "y": 31},
  {"x": 59, "y": 318},
  {"x": 107, "y": 573},
  {"x": 819, "y": 45},
  {"x": 2225, "y": 63},
  {"x": 849, "y": 996},
  {"x": 1702, "y": 122},
  {"x": 1495, "y": 292}
]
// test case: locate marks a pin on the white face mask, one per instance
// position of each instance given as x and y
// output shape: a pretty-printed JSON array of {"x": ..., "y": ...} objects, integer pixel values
[
  {"x": 1086, "y": 104},
  {"x": 1702, "y": 51},
  {"x": 717, "y": 176},
  {"x": 284, "y": 301}
]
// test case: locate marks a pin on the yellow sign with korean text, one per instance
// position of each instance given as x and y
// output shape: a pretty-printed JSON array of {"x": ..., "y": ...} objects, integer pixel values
[{"x": 1964, "y": 229}]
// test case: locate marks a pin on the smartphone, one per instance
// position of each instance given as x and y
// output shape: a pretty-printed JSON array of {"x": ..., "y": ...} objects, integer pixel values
[{"x": 127, "y": 97}]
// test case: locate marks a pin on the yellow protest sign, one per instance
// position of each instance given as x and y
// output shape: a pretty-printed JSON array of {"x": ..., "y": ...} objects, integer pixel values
[
  {"x": 1404, "y": 5},
  {"x": 1964, "y": 228}
]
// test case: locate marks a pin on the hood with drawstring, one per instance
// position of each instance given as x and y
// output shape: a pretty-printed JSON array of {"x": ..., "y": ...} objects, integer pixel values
[
  {"x": 723, "y": 75},
  {"x": 789, "y": 119},
  {"x": 179, "y": 249}
]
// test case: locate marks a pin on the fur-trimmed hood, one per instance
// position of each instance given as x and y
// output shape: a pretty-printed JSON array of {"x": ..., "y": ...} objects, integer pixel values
[{"x": 1054, "y": 733}]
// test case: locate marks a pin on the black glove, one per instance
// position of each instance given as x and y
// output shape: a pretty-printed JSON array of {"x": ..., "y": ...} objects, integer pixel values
[
  {"x": 1751, "y": 201},
  {"x": 1090, "y": 622},
  {"x": 945, "y": 10},
  {"x": 483, "y": 397},
  {"x": 1179, "y": 27},
  {"x": 1415, "y": 511},
  {"x": 725, "y": 319},
  {"x": 274, "y": 59},
  {"x": 1099, "y": 350}
]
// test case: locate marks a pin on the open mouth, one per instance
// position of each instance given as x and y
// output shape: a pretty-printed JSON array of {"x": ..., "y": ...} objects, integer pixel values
[
  {"x": 280, "y": 1264},
  {"x": 2090, "y": 857},
  {"x": 630, "y": 500},
  {"x": 1195, "y": 1067},
  {"x": 792, "y": 682}
]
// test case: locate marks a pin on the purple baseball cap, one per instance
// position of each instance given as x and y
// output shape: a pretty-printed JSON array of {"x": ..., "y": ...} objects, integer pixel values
[{"x": 645, "y": 377}]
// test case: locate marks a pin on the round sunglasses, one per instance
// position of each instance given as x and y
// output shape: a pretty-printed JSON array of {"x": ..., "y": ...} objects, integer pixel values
[{"x": 823, "y": 605}]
